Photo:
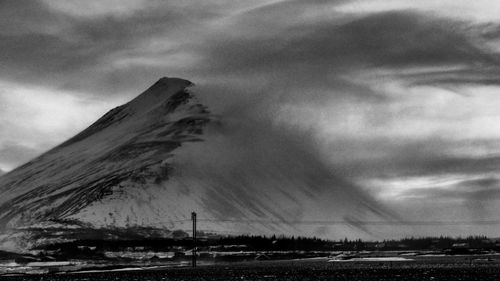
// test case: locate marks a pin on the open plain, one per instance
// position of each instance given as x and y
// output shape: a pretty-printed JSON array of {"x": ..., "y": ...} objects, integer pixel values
[{"x": 421, "y": 268}]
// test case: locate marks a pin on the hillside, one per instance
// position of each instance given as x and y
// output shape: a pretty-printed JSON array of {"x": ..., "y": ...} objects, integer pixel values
[{"x": 157, "y": 158}]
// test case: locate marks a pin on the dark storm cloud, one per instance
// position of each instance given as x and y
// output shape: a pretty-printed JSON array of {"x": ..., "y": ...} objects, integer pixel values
[
  {"x": 483, "y": 73},
  {"x": 387, "y": 158},
  {"x": 317, "y": 54},
  {"x": 26, "y": 17},
  {"x": 490, "y": 31},
  {"x": 80, "y": 54},
  {"x": 454, "y": 164},
  {"x": 42, "y": 46}
]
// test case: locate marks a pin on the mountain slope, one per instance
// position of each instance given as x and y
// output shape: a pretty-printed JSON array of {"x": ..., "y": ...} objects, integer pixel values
[
  {"x": 128, "y": 143},
  {"x": 152, "y": 161}
]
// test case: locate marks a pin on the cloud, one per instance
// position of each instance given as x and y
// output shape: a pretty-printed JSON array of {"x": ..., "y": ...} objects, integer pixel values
[
  {"x": 320, "y": 53},
  {"x": 59, "y": 45},
  {"x": 90, "y": 54},
  {"x": 386, "y": 158},
  {"x": 477, "y": 192},
  {"x": 28, "y": 17},
  {"x": 96, "y": 9},
  {"x": 34, "y": 119},
  {"x": 257, "y": 158},
  {"x": 479, "y": 11}
]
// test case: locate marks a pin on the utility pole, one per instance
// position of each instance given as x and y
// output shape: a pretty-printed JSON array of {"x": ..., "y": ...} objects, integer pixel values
[{"x": 193, "y": 218}]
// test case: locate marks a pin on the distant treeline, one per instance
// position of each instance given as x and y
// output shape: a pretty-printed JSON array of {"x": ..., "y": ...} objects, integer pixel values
[{"x": 278, "y": 243}]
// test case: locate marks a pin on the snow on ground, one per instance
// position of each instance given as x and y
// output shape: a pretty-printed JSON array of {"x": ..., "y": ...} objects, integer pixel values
[{"x": 371, "y": 259}]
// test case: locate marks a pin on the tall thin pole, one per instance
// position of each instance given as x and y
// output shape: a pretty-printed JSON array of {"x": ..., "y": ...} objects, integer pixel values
[{"x": 193, "y": 218}]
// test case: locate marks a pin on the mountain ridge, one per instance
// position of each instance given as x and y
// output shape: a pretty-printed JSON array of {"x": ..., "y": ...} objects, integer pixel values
[
  {"x": 172, "y": 96},
  {"x": 154, "y": 160}
]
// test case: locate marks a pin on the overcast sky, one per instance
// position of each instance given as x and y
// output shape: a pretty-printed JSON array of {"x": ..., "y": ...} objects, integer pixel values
[{"x": 402, "y": 97}]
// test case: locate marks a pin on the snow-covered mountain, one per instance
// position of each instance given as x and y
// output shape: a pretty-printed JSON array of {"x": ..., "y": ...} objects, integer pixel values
[{"x": 154, "y": 160}]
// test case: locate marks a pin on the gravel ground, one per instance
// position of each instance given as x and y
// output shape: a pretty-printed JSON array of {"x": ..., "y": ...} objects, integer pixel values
[{"x": 296, "y": 270}]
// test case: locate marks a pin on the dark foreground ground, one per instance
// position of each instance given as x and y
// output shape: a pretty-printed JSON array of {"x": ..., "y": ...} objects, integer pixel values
[{"x": 460, "y": 269}]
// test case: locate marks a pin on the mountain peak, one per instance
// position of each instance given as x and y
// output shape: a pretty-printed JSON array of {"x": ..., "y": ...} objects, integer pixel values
[
  {"x": 159, "y": 93},
  {"x": 163, "y": 89},
  {"x": 126, "y": 148},
  {"x": 167, "y": 81}
]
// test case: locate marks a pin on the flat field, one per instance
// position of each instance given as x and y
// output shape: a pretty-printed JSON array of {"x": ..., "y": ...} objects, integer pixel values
[{"x": 422, "y": 268}]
